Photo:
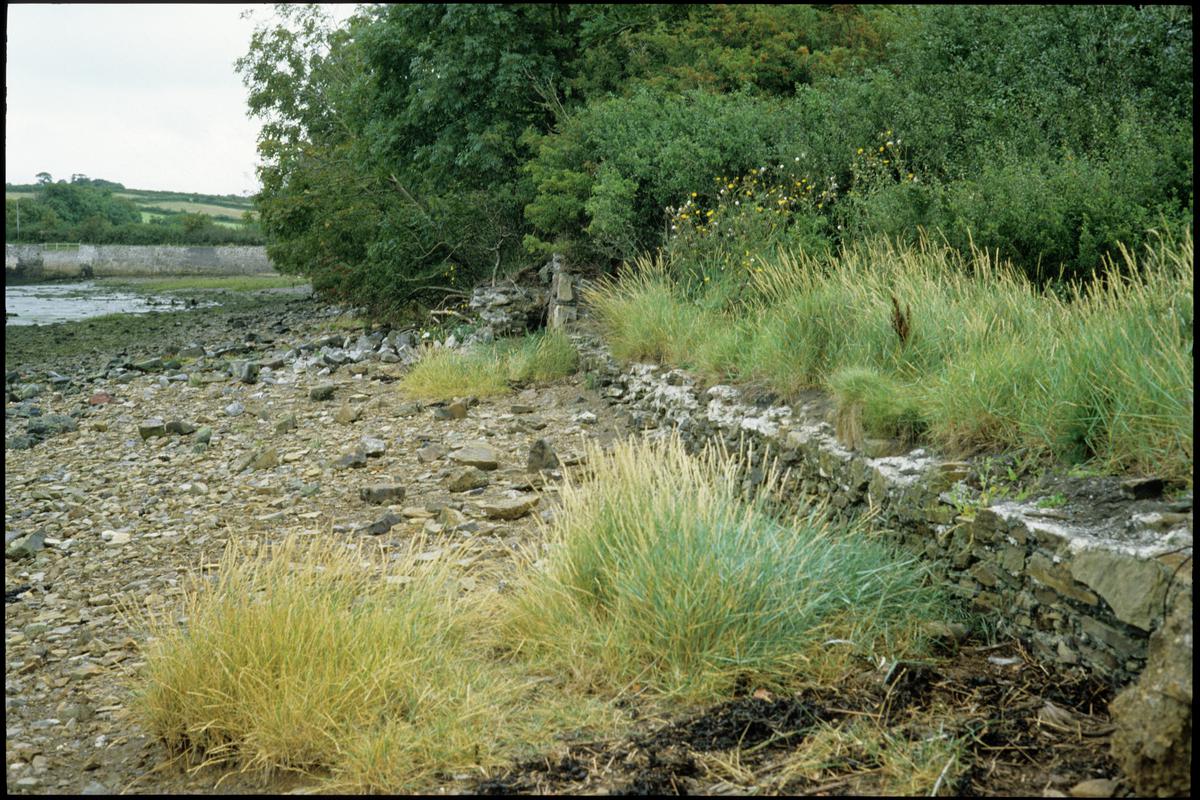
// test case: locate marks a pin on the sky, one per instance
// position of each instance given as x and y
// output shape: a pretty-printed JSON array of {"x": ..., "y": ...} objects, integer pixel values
[{"x": 145, "y": 95}]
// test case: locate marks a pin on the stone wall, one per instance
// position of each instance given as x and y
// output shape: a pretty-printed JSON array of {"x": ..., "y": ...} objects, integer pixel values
[
  {"x": 40, "y": 262},
  {"x": 1085, "y": 584}
]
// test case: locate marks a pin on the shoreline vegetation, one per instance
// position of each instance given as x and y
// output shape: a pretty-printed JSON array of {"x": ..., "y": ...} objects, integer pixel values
[
  {"x": 970, "y": 225},
  {"x": 924, "y": 343},
  {"x": 664, "y": 585}
]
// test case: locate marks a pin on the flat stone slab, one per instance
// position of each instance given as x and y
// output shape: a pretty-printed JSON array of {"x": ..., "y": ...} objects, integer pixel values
[
  {"x": 513, "y": 508},
  {"x": 477, "y": 455}
]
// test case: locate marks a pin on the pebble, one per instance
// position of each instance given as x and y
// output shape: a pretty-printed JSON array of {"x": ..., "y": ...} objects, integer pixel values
[
  {"x": 322, "y": 392},
  {"x": 478, "y": 455},
  {"x": 513, "y": 508},
  {"x": 1094, "y": 787}
]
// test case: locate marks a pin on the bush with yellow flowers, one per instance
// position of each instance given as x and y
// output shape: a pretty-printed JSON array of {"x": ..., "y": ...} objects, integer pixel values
[{"x": 725, "y": 231}]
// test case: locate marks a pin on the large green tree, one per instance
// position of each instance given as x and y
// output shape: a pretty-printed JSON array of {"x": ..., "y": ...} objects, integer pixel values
[{"x": 419, "y": 147}]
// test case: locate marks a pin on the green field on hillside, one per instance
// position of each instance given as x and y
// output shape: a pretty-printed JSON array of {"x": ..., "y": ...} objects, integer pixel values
[{"x": 99, "y": 211}]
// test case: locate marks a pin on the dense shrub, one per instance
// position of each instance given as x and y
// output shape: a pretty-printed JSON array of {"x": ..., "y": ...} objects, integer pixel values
[
  {"x": 1022, "y": 132},
  {"x": 605, "y": 179}
]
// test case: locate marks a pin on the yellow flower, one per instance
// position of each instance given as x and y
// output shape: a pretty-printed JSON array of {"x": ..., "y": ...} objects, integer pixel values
[{"x": 860, "y": 151}]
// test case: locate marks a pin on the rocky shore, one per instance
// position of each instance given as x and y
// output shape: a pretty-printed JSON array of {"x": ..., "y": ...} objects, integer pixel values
[
  {"x": 137, "y": 448},
  {"x": 124, "y": 474}
]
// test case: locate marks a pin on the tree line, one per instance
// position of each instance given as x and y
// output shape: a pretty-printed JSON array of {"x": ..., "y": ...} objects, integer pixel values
[
  {"x": 417, "y": 148},
  {"x": 87, "y": 210}
]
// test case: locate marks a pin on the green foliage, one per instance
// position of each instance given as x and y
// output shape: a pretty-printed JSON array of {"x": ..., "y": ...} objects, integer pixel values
[
  {"x": 1022, "y": 132},
  {"x": 421, "y": 147},
  {"x": 766, "y": 49},
  {"x": 388, "y": 160},
  {"x": 87, "y": 210},
  {"x": 616, "y": 165}
]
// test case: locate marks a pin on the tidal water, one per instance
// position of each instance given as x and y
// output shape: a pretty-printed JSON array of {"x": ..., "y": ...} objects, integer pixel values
[{"x": 47, "y": 303}]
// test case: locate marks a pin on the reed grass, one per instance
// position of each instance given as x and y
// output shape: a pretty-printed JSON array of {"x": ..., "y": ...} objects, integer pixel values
[{"x": 958, "y": 347}]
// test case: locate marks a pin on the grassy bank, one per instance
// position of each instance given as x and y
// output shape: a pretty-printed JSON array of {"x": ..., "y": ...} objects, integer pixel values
[{"x": 925, "y": 343}]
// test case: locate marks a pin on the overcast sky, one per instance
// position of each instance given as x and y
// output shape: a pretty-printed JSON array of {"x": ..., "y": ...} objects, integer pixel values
[{"x": 145, "y": 95}]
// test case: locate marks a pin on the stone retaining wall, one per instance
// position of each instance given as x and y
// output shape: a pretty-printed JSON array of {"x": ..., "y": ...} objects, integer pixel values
[
  {"x": 1084, "y": 584},
  {"x": 39, "y": 262}
]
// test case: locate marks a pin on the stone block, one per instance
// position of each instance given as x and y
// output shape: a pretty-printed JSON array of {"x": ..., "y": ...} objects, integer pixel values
[
  {"x": 1152, "y": 742},
  {"x": 1042, "y": 569},
  {"x": 1134, "y": 588}
]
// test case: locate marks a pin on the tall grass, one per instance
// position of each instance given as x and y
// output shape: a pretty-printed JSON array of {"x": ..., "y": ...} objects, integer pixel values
[
  {"x": 304, "y": 657},
  {"x": 442, "y": 374},
  {"x": 661, "y": 576},
  {"x": 370, "y": 671},
  {"x": 960, "y": 347}
]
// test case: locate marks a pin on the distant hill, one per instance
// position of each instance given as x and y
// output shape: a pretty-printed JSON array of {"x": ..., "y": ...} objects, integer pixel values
[
  {"x": 225, "y": 209},
  {"x": 99, "y": 211}
]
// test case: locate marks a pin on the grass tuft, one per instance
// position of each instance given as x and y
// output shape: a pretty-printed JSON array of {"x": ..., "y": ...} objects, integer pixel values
[
  {"x": 442, "y": 374},
  {"x": 305, "y": 657},
  {"x": 661, "y": 576},
  {"x": 540, "y": 357}
]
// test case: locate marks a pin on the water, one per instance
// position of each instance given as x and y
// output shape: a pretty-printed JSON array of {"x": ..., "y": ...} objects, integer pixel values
[{"x": 47, "y": 303}]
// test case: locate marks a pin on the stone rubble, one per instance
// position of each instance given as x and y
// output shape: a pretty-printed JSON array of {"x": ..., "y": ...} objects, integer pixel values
[{"x": 110, "y": 505}]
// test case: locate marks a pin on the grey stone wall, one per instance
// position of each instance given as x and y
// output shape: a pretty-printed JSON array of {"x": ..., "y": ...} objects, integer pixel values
[
  {"x": 35, "y": 261},
  {"x": 1085, "y": 585}
]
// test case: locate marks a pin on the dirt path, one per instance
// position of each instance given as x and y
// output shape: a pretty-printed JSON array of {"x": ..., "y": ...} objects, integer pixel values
[{"x": 125, "y": 514}]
